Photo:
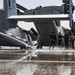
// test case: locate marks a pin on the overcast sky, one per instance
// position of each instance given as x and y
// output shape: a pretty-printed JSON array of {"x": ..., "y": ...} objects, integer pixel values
[{"x": 31, "y": 4}]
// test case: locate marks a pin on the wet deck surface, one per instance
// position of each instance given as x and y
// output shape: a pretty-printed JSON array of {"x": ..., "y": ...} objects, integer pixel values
[
  {"x": 21, "y": 62},
  {"x": 41, "y": 54},
  {"x": 38, "y": 68}
]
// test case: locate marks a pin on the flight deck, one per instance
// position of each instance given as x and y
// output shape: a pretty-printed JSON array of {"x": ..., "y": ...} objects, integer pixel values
[
  {"x": 37, "y": 62},
  {"x": 38, "y": 54}
]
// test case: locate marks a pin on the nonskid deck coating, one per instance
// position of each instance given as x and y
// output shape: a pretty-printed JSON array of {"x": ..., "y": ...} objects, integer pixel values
[
  {"x": 18, "y": 54},
  {"x": 36, "y": 67}
]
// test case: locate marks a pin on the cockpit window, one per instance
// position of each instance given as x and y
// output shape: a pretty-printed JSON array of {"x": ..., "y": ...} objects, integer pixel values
[{"x": 10, "y": 3}]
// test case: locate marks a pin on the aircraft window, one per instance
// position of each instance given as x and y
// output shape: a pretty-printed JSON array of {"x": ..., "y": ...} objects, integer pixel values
[
  {"x": 1, "y": 4},
  {"x": 10, "y": 3}
]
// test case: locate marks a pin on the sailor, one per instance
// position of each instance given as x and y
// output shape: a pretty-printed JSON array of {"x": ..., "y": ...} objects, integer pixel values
[
  {"x": 59, "y": 40},
  {"x": 52, "y": 40},
  {"x": 40, "y": 46},
  {"x": 66, "y": 40},
  {"x": 72, "y": 38}
]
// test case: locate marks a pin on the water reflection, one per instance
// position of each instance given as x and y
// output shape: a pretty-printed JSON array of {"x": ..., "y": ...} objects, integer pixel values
[{"x": 36, "y": 68}]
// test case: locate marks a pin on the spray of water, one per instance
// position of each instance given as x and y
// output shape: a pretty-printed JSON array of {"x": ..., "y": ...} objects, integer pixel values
[
  {"x": 13, "y": 66},
  {"x": 29, "y": 55}
]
